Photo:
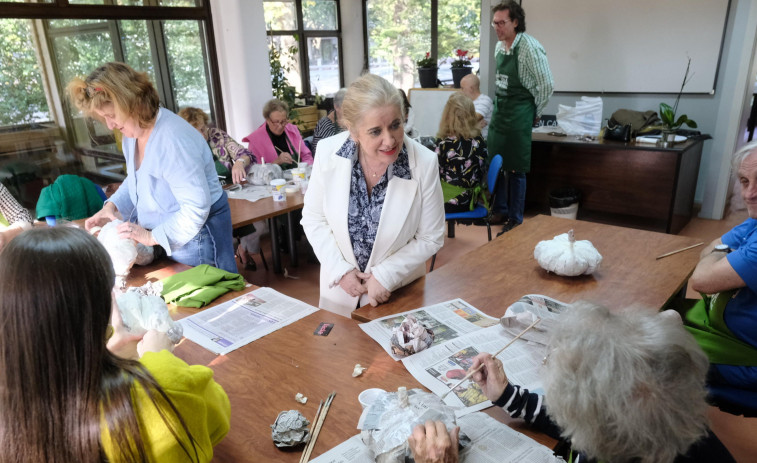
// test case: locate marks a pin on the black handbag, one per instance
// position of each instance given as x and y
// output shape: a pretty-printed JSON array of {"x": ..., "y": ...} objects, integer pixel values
[{"x": 617, "y": 132}]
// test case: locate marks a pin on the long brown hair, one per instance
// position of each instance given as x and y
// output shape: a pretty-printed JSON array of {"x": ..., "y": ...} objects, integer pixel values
[{"x": 58, "y": 381}]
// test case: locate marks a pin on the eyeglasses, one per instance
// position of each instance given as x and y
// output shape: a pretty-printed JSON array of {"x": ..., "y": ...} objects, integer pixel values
[
  {"x": 282, "y": 123},
  {"x": 496, "y": 24}
]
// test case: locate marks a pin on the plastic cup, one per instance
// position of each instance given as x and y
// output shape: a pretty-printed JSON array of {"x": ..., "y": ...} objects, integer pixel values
[
  {"x": 298, "y": 175},
  {"x": 304, "y": 186},
  {"x": 277, "y": 189},
  {"x": 368, "y": 396}
]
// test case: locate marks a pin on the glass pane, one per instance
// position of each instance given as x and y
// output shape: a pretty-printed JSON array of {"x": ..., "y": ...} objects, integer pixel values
[
  {"x": 61, "y": 23},
  {"x": 284, "y": 62},
  {"x": 87, "y": 2},
  {"x": 399, "y": 33},
  {"x": 22, "y": 98},
  {"x": 188, "y": 3},
  {"x": 186, "y": 63},
  {"x": 27, "y": 1},
  {"x": 458, "y": 28},
  {"x": 323, "y": 57},
  {"x": 78, "y": 55},
  {"x": 280, "y": 15},
  {"x": 319, "y": 15},
  {"x": 137, "y": 48},
  {"x": 130, "y": 2}
]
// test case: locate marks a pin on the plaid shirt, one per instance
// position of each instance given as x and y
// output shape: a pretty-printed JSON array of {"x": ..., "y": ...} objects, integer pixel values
[{"x": 533, "y": 68}]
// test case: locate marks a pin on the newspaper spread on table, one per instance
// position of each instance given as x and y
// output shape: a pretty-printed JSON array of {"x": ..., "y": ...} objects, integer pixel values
[
  {"x": 233, "y": 324},
  {"x": 491, "y": 441},
  {"x": 527, "y": 309},
  {"x": 448, "y": 320},
  {"x": 441, "y": 367},
  {"x": 249, "y": 192}
]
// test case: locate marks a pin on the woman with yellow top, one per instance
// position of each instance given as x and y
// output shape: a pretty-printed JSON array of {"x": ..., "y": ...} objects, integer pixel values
[{"x": 67, "y": 396}]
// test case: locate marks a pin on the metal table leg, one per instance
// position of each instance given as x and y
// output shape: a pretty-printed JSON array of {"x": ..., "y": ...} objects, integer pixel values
[
  {"x": 292, "y": 243},
  {"x": 275, "y": 251}
]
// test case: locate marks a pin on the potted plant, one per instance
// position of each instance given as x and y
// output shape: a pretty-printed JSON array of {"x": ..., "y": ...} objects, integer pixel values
[
  {"x": 669, "y": 124},
  {"x": 461, "y": 66},
  {"x": 427, "y": 70}
]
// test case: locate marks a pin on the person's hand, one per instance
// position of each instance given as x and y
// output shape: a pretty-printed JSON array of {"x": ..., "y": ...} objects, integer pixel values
[
  {"x": 238, "y": 171},
  {"x": 103, "y": 216},
  {"x": 377, "y": 294},
  {"x": 491, "y": 378},
  {"x": 154, "y": 341},
  {"x": 140, "y": 235},
  {"x": 433, "y": 444},
  {"x": 351, "y": 284},
  {"x": 122, "y": 343},
  {"x": 284, "y": 158}
]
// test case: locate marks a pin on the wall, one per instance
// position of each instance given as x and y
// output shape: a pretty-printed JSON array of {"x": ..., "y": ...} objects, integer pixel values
[{"x": 722, "y": 115}]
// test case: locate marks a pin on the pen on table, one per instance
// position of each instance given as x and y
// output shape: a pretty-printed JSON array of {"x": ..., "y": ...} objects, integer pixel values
[{"x": 678, "y": 250}]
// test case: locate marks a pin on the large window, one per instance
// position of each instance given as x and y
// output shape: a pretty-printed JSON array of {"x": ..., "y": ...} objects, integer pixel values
[
  {"x": 400, "y": 33},
  {"x": 308, "y": 38}
]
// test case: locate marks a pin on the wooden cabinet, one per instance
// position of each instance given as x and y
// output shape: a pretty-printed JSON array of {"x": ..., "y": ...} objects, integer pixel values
[{"x": 636, "y": 185}]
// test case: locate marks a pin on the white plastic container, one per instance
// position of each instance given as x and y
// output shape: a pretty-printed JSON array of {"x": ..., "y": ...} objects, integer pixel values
[
  {"x": 368, "y": 396},
  {"x": 277, "y": 189},
  {"x": 298, "y": 175},
  {"x": 570, "y": 212}
]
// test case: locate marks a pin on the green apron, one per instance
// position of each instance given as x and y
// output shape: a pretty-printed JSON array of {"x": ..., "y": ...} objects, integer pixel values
[{"x": 514, "y": 113}]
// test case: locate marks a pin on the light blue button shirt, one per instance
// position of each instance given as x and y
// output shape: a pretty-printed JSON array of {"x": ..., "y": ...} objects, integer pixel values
[{"x": 175, "y": 186}]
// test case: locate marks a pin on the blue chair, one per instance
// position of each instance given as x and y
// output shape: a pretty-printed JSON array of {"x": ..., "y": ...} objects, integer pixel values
[{"x": 479, "y": 212}]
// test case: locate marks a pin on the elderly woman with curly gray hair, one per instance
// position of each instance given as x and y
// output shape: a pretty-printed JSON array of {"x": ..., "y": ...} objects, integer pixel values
[{"x": 619, "y": 386}]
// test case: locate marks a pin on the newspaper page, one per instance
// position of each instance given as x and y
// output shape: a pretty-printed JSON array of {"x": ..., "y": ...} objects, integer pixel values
[
  {"x": 491, "y": 442},
  {"x": 441, "y": 367},
  {"x": 249, "y": 192},
  {"x": 527, "y": 309},
  {"x": 448, "y": 320},
  {"x": 231, "y": 325}
]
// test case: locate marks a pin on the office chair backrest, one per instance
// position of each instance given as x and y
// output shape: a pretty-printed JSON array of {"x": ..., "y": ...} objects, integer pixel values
[{"x": 494, "y": 167}]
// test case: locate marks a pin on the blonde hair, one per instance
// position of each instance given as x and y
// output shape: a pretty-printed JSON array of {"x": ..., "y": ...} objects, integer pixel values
[
  {"x": 366, "y": 93},
  {"x": 275, "y": 105},
  {"x": 459, "y": 118},
  {"x": 131, "y": 92},
  {"x": 196, "y": 117}
]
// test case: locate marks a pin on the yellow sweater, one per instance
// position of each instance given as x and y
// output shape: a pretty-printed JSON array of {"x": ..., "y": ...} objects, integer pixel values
[{"x": 201, "y": 401}]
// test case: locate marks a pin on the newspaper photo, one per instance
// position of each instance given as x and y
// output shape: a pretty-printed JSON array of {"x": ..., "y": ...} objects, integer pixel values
[
  {"x": 441, "y": 367},
  {"x": 231, "y": 325},
  {"x": 526, "y": 310},
  {"x": 448, "y": 320},
  {"x": 491, "y": 441}
]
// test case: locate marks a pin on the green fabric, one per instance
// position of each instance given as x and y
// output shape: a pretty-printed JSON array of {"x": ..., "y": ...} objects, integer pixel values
[
  {"x": 706, "y": 323},
  {"x": 223, "y": 171},
  {"x": 514, "y": 113},
  {"x": 199, "y": 286},
  {"x": 3, "y": 220},
  {"x": 450, "y": 191},
  {"x": 71, "y": 197}
]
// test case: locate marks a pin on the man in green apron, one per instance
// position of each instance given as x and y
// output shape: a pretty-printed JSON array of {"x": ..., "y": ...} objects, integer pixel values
[{"x": 523, "y": 86}]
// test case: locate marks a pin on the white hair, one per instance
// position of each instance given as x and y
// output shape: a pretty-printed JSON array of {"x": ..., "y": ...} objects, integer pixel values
[
  {"x": 741, "y": 154},
  {"x": 626, "y": 386}
]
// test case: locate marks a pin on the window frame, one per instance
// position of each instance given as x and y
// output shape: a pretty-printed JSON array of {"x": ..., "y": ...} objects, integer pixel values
[{"x": 301, "y": 35}]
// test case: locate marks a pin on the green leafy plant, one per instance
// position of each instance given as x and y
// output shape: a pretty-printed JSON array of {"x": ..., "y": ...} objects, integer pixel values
[
  {"x": 668, "y": 113},
  {"x": 426, "y": 62},
  {"x": 280, "y": 62},
  {"x": 462, "y": 60}
]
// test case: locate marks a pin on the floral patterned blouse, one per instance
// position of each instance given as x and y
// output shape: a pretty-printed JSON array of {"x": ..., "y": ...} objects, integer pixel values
[
  {"x": 364, "y": 211},
  {"x": 462, "y": 163},
  {"x": 226, "y": 149}
]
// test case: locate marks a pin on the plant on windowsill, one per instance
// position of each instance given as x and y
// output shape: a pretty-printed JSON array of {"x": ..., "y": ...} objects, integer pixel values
[
  {"x": 670, "y": 124},
  {"x": 280, "y": 62},
  {"x": 427, "y": 70},
  {"x": 461, "y": 66}
]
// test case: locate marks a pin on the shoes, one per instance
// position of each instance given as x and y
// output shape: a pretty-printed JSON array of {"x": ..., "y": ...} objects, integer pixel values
[
  {"x": 496, "y": 219},
  {"x": 507, "y": 227},
  {"x": 246, "y": 259}
]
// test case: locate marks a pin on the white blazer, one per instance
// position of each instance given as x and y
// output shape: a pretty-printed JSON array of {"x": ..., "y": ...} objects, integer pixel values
[{"x": 410, "y": 231}]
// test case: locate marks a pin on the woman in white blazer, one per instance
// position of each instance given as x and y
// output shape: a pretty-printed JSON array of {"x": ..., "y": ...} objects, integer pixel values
[{"x": 374, "y": 210}]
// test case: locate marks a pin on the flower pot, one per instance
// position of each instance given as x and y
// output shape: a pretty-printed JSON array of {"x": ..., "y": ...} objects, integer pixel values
[
  {"x": 667, "y": 137},
  {"x": 459, "y": 73},
  {"x": 427, "y": 77}
]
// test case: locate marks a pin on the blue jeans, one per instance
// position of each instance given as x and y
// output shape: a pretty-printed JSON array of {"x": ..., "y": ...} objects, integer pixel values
[
  {"x": 511, "y": 196},
  {"x": 212, "y": 245}
]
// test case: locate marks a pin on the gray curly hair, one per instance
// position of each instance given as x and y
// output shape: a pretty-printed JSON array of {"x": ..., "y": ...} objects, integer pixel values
[
  {"x": 626, "y": 386},
  {"x": 741, "y": 154}
]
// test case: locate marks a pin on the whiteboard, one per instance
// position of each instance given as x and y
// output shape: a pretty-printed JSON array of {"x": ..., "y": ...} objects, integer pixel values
[
  {"x": 428, "y": 104},
  {"x": 639, "y": 46}
]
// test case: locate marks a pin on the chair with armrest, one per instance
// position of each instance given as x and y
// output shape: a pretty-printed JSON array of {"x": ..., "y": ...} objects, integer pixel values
[{"x": 480, "y": 211}]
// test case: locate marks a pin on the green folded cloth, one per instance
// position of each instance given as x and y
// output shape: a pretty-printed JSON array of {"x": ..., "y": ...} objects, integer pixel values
[
  {"x": 199, "y": 286},
  {"x": 3, "y": 221},
  {"x": 450, "y": 191},
  {"x": 71, "y": 197}
]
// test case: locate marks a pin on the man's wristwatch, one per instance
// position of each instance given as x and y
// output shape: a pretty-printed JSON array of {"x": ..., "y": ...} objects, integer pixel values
[{"x": 722, "y": 248}]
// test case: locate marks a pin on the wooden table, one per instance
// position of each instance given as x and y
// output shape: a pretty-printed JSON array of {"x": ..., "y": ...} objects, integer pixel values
[
  {"x": 498, "y": 273},
  {"x": 245, "y": 212},
  {"x": 262, "y": 378},
  {"x": 632, "y": 184}
]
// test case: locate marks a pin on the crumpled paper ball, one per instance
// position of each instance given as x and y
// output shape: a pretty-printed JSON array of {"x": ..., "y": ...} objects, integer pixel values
[
  {"x": 124, "y": 253},
  {"x": 141, "y": 313},
  {"x": 290, "y": 429},
  {"x": 565, "y": 256},
  {"x": 411, "y": 336}
]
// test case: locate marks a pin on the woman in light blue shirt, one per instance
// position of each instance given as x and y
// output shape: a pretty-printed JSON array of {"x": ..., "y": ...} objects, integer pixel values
[{"x": 171, "y": 196}]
